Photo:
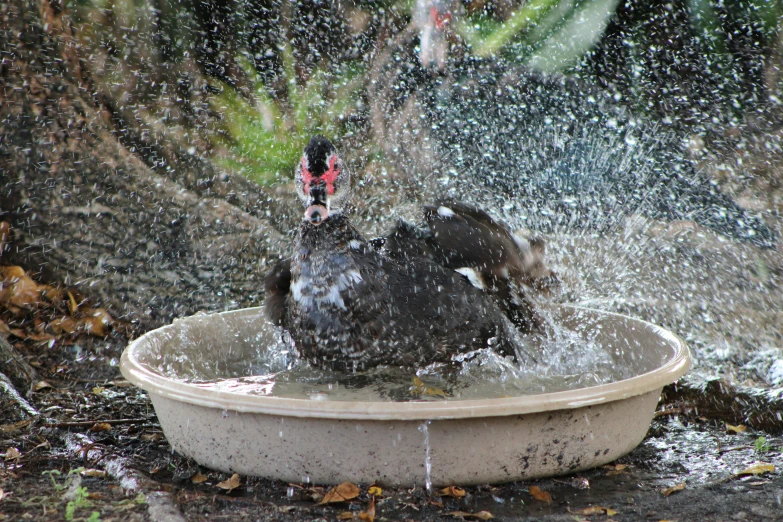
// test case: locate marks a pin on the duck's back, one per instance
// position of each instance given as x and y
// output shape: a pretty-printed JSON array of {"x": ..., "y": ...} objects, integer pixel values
[{"x": 351, "y": 307}]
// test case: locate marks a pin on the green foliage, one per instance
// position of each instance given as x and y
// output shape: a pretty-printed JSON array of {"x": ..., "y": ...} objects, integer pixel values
[
  {"x": 548, "y": 35},
  {"x": 81, "y": 500},
  {"x": 264, "y": 141},
  {"x": 762, "y": 445},
  {"x": 80, "y": 495}
]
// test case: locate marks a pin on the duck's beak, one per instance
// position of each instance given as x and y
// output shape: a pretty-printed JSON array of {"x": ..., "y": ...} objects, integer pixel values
[{"x": 319, "y": 203}]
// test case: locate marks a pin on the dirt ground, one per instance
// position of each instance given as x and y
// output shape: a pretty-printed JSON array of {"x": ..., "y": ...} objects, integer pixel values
[{"x": 98, "y": 452}]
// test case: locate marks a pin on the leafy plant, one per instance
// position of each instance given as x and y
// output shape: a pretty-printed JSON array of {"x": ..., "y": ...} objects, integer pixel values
[
  {"x": 80, "y": 494},
  {"x": 263, "y": 141},
  {"x": 80, "y": 500},
  {"x": 762, "y": 445}
]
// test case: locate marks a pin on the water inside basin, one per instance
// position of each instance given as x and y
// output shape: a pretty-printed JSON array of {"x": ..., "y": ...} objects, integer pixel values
[{"x": 229, "y": 393}]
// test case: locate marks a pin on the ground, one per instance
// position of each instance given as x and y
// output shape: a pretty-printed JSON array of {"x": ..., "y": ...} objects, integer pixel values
[{"x": 99, "y": 451}]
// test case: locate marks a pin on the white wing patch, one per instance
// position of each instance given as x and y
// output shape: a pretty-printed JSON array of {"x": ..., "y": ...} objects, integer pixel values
[
  {"x": 445, "y": 212},
  {"x": 473, "y": 276}
]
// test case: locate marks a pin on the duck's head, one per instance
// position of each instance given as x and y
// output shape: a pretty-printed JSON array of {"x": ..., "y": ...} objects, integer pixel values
[{"x": 322, "y": 180}]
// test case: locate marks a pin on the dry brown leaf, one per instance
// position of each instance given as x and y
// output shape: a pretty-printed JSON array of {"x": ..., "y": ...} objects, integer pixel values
[
  {"x": 375, "y": 490},
  {"x": 64, "y": 325},
  {"x": 41, "y": 385},
  {"x": 341, "y": 493},
  {"x": 4, "y": 329},
  {"x": 12, "y": 454},
  {"x": 615, "y": 469},
  {"x": 736, "y": 429},
  {"x": 16, "y": 426},
  {"x": 96, "y": 321},
  {"x": 93, "y": 473},
  {"x": 539, "y": 494},
  {"x": 481, "y": 515},
  {"x": 346, "y": 515},
  {"x": 3, "y": 494},
  {"x": 419, "y": 388},
  {"x": 5, "y": 235},
  {"x": 595, "y": 510},
  {"x": 757, "y": 468},
  {"x": 452, "y": 491},
  {"x": 93, "y": 326},
  {"x": 100, "y": 426},
  {"x": 51, "y": 293},
  {"x": 18, "y": 289},
  {"x": 72, "y": 304},
  {"x": 369, "y": 515},
  {"x": 230, "y": 484},
  {"x": 673, "y": 489},
  {"x": 198, "y": 478},
  {"x": 31, "y": 336}
]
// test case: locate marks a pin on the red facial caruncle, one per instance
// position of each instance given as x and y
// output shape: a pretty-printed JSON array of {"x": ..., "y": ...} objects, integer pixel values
[{"x": 329, "y": 177}]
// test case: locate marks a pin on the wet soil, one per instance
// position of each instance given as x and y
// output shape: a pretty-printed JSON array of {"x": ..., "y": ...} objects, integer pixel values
[{"x": 98, "y": 448}]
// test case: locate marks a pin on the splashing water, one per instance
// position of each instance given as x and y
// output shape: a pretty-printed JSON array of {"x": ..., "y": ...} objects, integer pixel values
[{"x": 424, "y": 428}]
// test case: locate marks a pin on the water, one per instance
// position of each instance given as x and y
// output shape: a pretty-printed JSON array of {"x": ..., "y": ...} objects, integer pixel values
[
  {"x": 578, "y": 349},
  {"x": 424, "y": 428}
]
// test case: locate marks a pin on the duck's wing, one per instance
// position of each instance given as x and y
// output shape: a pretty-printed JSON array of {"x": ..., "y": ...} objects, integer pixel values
[
  {"x": 468, "y": 240},
  {"x": 466, "y": 236},
  {"x": 277, "y": 284}
]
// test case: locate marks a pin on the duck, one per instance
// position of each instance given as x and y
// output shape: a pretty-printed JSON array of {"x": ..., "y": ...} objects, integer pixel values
[
  {"x": 560, "y": 149},
  {"x": 423, "y": 294}
]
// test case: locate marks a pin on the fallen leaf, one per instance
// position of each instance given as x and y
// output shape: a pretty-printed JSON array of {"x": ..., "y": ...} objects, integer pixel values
[
  {"x": 41, "y": 385},
  {"x": 100, "y": 426},
  {"x": 615, "y": 469},
  {"x": 369, "y": 515},
  {"x": 595, "y": 510},
  {"x": 481, "y": 515},
  {"x": 12, "y": 454},
  {"x": 539, "y": 494},
  {"x": 419, "y": 388},
  {"x": 18, "y": 289},
  {"x": 31, "y": 336},
  {"x": 230, "y": 484},
  {"x": 4, "y": 329},
  {"x": 72, "y": 304},
  {"x": 93, "y": 473},
  {"x": 16, "y": 426},
  {"x": 757, "y": 468},
  {"x": 5, "y": 235},
  {"x": 736, "y": 429},
  {"x": 341, "y": 493},
  {"x": 346, "y": 515},
  {"x": 375, "y": 490},
  {"x": 198, "y": 478},
  {"x": 96, "y": 322},
  {"x": 64, "y": 325},
  {"x": 673, "y": 489},
  {"x": 452, "y": 491}
]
